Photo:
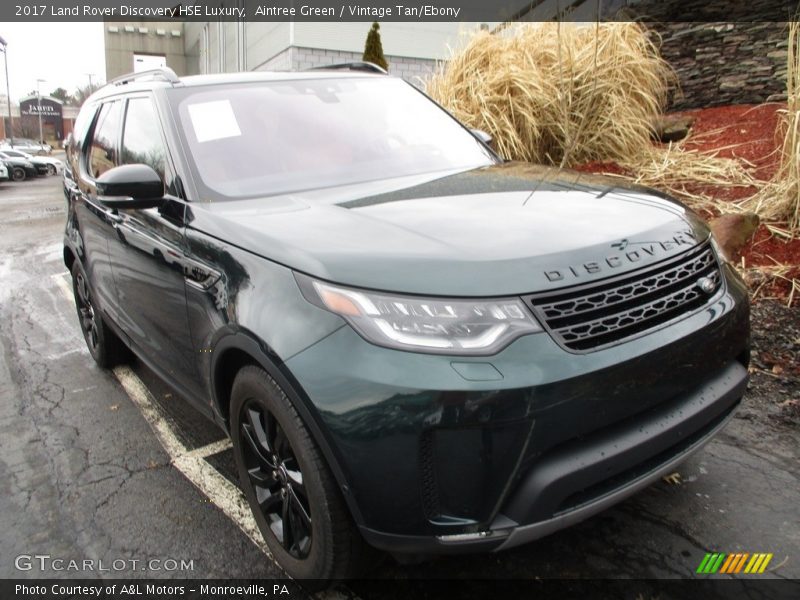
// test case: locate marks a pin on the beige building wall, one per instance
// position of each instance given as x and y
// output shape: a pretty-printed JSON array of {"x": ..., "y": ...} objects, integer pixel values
[
  {"x": 124, "y": 39},
  {"x": 412, "y": 49},
  {"x": 428, "y": 41}
]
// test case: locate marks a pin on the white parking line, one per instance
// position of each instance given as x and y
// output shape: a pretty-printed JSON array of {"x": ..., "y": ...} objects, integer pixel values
[
  {"x": 191, "y": 463},
  {"x": 65, "y": 286},
  {"x": 226, "y": 496},
  {"x": 211, "y": 449}
]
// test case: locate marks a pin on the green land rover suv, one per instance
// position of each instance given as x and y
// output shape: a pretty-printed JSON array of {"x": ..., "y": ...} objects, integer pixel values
[{"x": 414, "y": 345}]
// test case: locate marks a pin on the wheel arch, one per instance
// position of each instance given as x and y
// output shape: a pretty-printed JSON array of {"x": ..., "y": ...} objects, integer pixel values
[
  {"x": 235, "y": 351},
  {"x": 69, "y": 257}
]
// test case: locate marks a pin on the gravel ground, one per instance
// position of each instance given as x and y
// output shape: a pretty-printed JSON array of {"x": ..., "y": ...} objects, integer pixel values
[{"x": 774, "y": 395}]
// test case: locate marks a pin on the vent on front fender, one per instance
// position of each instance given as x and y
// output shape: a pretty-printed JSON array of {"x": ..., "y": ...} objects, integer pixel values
[{"x": 598, "y": 315}]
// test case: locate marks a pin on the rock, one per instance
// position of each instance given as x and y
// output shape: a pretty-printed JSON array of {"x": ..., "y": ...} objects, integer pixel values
[
  {"x": 733, "y": 231},
  {"x": 728, "y": 86},
  {"x": 753, "y": 278},
  {"x": 671, "y": 128}
]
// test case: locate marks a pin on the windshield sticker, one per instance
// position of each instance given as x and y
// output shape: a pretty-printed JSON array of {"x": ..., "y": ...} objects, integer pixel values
[{"x": 214, "y": 121}]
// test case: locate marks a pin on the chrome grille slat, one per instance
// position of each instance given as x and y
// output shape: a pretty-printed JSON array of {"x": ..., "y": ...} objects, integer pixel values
[
  {"x": 609, "y": 312},
  {"x": 629, "y": 291}
]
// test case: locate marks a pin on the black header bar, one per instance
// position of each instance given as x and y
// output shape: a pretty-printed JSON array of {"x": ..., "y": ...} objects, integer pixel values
[{"x": 332, "y": 11}]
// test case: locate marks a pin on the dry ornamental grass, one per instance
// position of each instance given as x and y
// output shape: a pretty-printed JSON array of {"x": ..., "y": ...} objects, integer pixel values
[
  {"x": 565, "y": 95},
  {"x": 780, "y": 199},
  {"x": 559, "y": 94}
]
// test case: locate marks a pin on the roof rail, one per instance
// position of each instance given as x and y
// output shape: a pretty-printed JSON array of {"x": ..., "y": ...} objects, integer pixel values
[
  {"x": 162, "y": 74},
  {"x": 352, "y": 66}
]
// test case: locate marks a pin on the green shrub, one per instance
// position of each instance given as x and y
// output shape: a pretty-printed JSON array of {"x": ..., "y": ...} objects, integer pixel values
[{"x": 373, "y": 49}]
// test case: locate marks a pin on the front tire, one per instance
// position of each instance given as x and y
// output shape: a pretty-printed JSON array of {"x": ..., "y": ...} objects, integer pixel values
[
  {"x": 18, "y": 174},
  {"x": 51, "y": 169},
  {"x": 106, "y": 348},
  {"x": 294, "y": 498}
]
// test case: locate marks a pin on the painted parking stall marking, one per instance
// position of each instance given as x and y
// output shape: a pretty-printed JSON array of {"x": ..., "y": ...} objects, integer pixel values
[{"x": 191, "y": 463}]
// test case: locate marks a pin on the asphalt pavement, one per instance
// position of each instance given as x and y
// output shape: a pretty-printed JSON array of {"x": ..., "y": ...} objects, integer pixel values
[{"x": 112, "y": 467}]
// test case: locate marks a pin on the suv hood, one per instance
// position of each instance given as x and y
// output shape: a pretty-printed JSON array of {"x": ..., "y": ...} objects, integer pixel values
[{"x": 503, "y": 230}]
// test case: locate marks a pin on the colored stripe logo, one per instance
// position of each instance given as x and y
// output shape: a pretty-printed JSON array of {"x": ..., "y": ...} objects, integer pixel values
[{"x": 733, "y": 564}]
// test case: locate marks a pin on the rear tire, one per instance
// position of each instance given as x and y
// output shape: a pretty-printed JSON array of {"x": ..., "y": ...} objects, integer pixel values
[
  {"x": 18, "y": 174},
  {"x": 106, "y": 348},
  {"x": 294, "y": 498}
]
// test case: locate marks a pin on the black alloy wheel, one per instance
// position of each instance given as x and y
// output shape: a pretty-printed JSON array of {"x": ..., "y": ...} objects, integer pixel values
[
  {"x": 86, "y": 313},
  {"x": 275, "y": 475},
  {"x": 296, "y": 501},
  {"x": 106, "y": 348}
]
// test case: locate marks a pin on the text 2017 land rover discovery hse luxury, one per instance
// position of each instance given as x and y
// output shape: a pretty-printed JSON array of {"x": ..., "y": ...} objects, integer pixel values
[{"x": 414, "y": 345}]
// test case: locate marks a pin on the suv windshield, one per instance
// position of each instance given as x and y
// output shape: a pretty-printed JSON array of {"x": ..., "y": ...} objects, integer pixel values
[{"x": 269, "y": 138}]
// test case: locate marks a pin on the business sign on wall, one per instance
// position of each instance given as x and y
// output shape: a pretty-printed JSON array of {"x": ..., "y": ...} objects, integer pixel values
[{"x": 51, "y": 110}]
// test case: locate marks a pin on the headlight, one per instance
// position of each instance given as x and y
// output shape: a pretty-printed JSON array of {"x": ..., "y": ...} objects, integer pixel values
[{"x": 435, "y": 325}]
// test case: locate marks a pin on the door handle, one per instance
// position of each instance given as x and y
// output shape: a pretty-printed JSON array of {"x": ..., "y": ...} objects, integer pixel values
[{"x": 199, "y": 275}]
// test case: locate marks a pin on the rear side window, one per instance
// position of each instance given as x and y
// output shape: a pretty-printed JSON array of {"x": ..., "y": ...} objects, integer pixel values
[
  {"x": 141, "y": 139},
  {"x": 103, "y": 151}
]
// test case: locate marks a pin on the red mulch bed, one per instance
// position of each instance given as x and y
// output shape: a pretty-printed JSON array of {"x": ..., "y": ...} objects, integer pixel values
[{"x": 746, "y": 132}]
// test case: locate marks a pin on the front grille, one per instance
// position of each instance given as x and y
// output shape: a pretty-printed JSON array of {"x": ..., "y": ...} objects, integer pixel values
[{"x": 591, "y": 317}]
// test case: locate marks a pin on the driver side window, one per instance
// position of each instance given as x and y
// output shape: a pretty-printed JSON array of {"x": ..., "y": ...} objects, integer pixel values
[
  {"x": 141, "y": 140},
  {"x": 103, "y": 151}
]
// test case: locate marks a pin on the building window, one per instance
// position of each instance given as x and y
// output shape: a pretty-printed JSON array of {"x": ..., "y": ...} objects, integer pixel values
[{"x": 148, "y": 62}]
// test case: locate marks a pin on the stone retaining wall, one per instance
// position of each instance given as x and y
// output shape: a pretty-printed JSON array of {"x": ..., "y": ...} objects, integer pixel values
[
  {"x": 739, "y": 61},
  {"x": 726, "y": 63}
]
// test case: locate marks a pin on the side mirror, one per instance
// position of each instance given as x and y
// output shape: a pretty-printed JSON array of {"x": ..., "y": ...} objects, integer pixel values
[
  {"x": 482, "y": 136},
  {"x": 130, "y": 186}
]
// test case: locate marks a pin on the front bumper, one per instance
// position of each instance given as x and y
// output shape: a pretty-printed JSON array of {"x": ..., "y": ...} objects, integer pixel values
[
  {"x": 593, "y": 474},
  {"x": 615, "y": 464},
  {"x": 444, "y": 454}
]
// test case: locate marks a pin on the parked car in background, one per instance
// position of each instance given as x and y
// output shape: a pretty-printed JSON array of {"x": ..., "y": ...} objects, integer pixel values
[
  {"x": 4, "y": 176},
  {"x": 19, "y": 168},
  {"x": 45, "y": 164},
  {"x": 26, "y": 145}
]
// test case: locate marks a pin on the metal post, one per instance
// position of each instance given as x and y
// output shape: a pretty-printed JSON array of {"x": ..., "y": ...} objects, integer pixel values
[{"x": 8, "y": 94}]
